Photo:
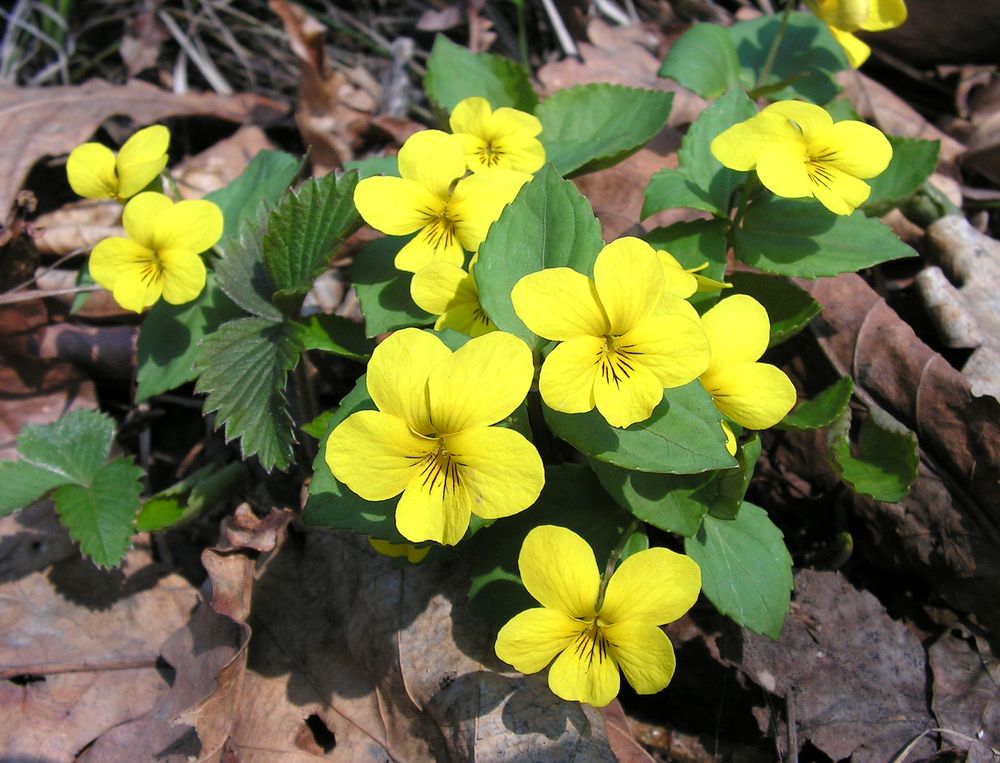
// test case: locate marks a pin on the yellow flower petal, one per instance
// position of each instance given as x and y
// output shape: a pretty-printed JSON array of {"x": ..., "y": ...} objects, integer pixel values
[
  {"x": 532, "y": 638},
  {"x": 755, "y": 395},
  {"x": 471, "y": 115},
  {"x": 625, "y": 395},
  {"x": 673, "y": 347},
  {"x": 395, "y": 206},
  {"x": 884, "y": 14},
  {"x": 141, "y": 159},
  {"x": 137, "y": 289},
  {"x": 466, "y": 319},
  {"x": 857, "y": 51},
  {"x": 478, "y": 200},
  {"x": 566, "y": 382},
  {"x": 644, "y": 653},
  {"x": 628, "y": 277},
  {"x": 183, "y": 275},
  {"x": 437, "y": 242},
  {"x": 671, "y": 305},
  {"x": 839, "y": 192},
  {"x": 375, "y": 454},
  {"x": 730, "y": 438},
  {"x": 676, "y": 280},
  {"x": 413, "y": 554},
  {"x": 436, "y": 510},
  {"x": 90, "y": 169},
  {"x": 739, "y": 146},
  {"x": 738, "y": 331},
  {"x": 112, "y": 257},
  {"x": 855, "y": 148},
  {"x": 585, "y": 672},
  {"x": 192, "y": 225},
  {"x": 846, "y": 14},
  {"x": 398, "y": 373},
  {"x": 500, "y": 468},
  {"x": 441, "y": 286},
  {"x": 656, "y": 586},
  {"x": 782, "y": 170},
  {"x": 806, "y": 118},
  {"x": 141, "y": 215},
  {"x": 481, "y": 383},
  {"x": 560, "y": 304},
  {"x": 559, "y": 570},
  {"x": 433, "y": 159}
]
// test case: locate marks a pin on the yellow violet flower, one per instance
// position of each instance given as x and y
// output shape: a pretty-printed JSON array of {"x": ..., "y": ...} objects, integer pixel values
[
  {"x": 843, "y": 17},
  {"x": 160, "y": 256},
  {"x": 683, "y": 282},
  {"x": 413, "y": 554},
  {"x": 621, "y": 344},
  {"x": 448, "y": 217},
  {"x": 431, "y": 438},
  {"x": 503, "y": 139},
  {"x": 798, "y": 151},
  {"x": 594, "y": 639},
  {"x": 450, "y": 293},
  {"x": 754, "y": 395},
  {"x": 95, "y": 172}
]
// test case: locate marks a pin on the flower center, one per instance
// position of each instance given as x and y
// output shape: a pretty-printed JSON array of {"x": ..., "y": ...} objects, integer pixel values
[
  {"x": 591, "y": 643},
  {"x": 439, "y": 469},
  {"x": 817, "y": 169},
  {"x": 616, "y": 360},
  {"x": 151, "y": 270},
  {"x": 490, "y": 155},
  {"x": 440, "y": 230}
]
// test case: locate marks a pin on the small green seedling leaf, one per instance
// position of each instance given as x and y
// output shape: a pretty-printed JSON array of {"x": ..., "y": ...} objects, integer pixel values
[
  {"x": 185, "y": 500},
  {"x": 746, "y": 571},
  {"x": 550, "y": 224},
  {"x": 384, "y": 291},
  {"x": 912, "y": 163},
  {"x": 822, "y": 410},
  {"x": 244, "y": 366},
  {"x": 789, "y": 308},
  {"x": 455, "y": 73},
  {"x": 796, "y": 237},
  {"x": 590, "y": 127},
  {"x": 703, "y": 60},
  {"x": 884, "y": 463}
]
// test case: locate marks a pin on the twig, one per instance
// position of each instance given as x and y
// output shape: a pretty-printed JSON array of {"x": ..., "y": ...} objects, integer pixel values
[
  {"x": 208, "y": 70},
  {"x": 562, "y": 33},
  {"x": 47, "y": 269},
  {"x": 26, "y": 296},
  {"x": 613, "y": 12}
]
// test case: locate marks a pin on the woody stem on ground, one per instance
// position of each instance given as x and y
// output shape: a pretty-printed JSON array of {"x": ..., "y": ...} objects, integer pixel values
[
  {"x": 616, "y": 554},
  {"x": 773, "y": 52}
]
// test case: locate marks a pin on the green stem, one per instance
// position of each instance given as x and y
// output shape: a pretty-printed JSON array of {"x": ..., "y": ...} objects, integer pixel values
[
  {"x": 616, "y": 554},
  {"x": 522, "y": 36},
  {"x": 773, "y": 52},
  {"x": 750, "y": 186}
]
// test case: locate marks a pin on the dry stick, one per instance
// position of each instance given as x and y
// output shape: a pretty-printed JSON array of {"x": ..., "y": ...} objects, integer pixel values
[
  {"x": 208, "y": 70},
  {"x": 26, "y": 296},
  {"x": 613, "y": 12},
  {"x": 562, "y": 33},
  {"x": 49, "y": 268}
]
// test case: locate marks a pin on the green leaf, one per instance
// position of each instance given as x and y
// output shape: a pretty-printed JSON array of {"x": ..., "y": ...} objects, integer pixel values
[
  {"x": 822, "y": 410},
  {"x": 695, "y": 156},
  {"x": 886, "y": 460},
  {"x": 177, "y": 504},
  {"x": 703, "y": 60},
  {"x": 693, "y": 244},
  {"x": 912, "y": 163},
  {"x": 331, "y": 503},
  {"x": 683, "y": 436},
  {"x": 795, "y": 237},
  {"x": 263, "y": 181},
  {"x": 571, "y": 498},
  {"x": 75, "y": 446},
  {"x": 455, "y": 73},
  {"x": 331, "y": 333},
  {"x": 789, "y": 308},
  {"x": 318, "y": 426},
  {"x": 384, "y": 291},
  {"x": 100, "y": 516},
  {"x": 24, "y": 484},
  {"x": 548, "y": 225},
  {"x": 244, "y": 366},
  {"x": 590, "y": 127},
  {"x": 169, "y": 338},
  {"x": 733, "y": 483},
  {"x": 807, "y": 61},
  {"x": 373, "y": 165},
  {"x": 672, "y": 189},
  {"x": 304, "y": 231},
  {"x": 746, "y": 571},
  {"x": 241, "y": 272}
]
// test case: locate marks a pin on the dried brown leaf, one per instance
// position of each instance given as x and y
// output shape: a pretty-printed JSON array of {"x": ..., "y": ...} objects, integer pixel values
[{"x": 49, "y": 121}]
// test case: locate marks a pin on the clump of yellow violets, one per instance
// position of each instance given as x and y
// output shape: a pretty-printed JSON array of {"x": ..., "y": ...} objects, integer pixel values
[{"x": 844, "y": 17}]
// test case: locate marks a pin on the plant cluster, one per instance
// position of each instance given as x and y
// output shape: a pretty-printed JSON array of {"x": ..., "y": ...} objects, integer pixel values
[{"x": 572, "y": 392}]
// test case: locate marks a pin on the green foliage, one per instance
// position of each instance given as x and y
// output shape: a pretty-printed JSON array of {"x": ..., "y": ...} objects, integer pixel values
[
  {"x": 683, "y": 436},
  {"x": 672, "y": 189},
  {"x": 746, "y": 571},
  {"x": 170, "y": 335},
  {"x": 714, "y": 182},
  {"x": 263, "y": 181},
  {"x": 912, "y": 163},
  {"x": 789, "y": 307},
  {"x": 796, "y": 237},
  {"x": 884, "y": 462},
  {"x": 303, "y": 232},
  {"x": 548, "y": 225},
  {"x": 241, "y": 272},
  {"x": 177, "y": 504},
  {"x": 807, "y": 61},
  {"x": 96, "y": 501},
  {"x": 571, "y": 498},
  {"x": 384, "y": 291},
  {"x": 244, "y": 366},
  {"x": 822, "y": 410},
  {"x": 373, "y": 165},
  {"x": 455, "y": 73},
  {"x": 590, "y": 127},
  {"x": 703, "y": 60},
  {"x": 331, "y": 333}
]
